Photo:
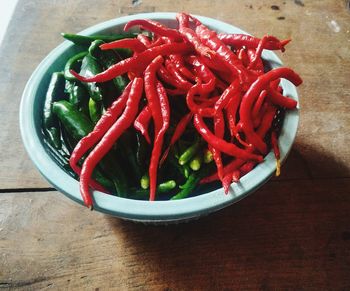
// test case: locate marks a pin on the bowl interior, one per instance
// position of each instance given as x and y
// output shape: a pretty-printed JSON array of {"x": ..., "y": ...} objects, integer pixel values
[{"x": 158, "y": 211}]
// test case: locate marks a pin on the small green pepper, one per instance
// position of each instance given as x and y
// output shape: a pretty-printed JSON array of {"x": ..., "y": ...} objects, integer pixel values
[
  {"x": 54, "y": 93},
  {"x": 75, "y": 122},
  {"x": 107, "y": 59},
  {"x": 164, "y": 187},
  {"x": 73, "y": 63},
  {"x": 90, "y": 67},
  {"x": 189, "y": 153},
  {"x": 87, "y": 40},
  {"x": 95, "y": 110}
]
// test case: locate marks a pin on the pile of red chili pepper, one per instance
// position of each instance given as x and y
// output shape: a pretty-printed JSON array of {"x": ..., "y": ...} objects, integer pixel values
[{"x": 189, "y": 83}]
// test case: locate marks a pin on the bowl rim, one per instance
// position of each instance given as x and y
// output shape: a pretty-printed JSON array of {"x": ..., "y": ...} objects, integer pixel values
[{"x": 138, "y": 210}]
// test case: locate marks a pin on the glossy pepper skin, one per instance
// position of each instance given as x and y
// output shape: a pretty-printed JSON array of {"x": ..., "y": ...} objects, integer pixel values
[
  {"x": 252, "y": 94},
  {"x": 50, "y": 122},
  {"x": 76, "y": 122},
  {"x": 107, "y": 141},
  {"x": 137, "y": 63},
  {"x": 87, "y": 40}
]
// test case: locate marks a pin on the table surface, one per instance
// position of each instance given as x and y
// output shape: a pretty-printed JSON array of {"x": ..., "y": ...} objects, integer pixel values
[{"x": 292, "y": 234}]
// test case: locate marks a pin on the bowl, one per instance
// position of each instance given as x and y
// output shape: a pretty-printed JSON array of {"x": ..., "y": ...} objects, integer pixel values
[{"x": 142, "y": 211}]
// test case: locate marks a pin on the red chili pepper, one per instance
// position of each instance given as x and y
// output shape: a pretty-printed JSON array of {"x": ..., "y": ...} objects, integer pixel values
[
  {"x": 250, "y": 97},
  {"x": 258, "y": 104},
  {"x": 230, "y": 92},
  {"x": 231, "y": 112},
  {"x": 247, "y": 167},
  {"x": 228, "y": 58},
  {"x": 135, "y": 63},
  {"x": 132, "y": 43},
  {"x": 258, "y": 63},
  {"x": 242, "y": 55},
  {"x": 183, "y": 20},
  {"x": 244, "y": 40},
  {"x": 193, "y": 39},
  {"x": 204, "y": 73},
  {"x": 221, "y": 144},
  {"x": 219, "y": 130},
  {"x": 229, "y": 168},
  {"x": 165, "y": 76},
  {"x": 259, "y": 117},
  {"x": 158, "y": 142},
  {"x": 191, "y": 104},
  {"x": 266, "y": 121},
  {"x": 179, "y": 130},
  {"x": 257, "y": 56},
  {"x": 280, "y": 100},
  {"x": 142, "y": 121},
  {"x": 102, "y": 126},
  {"x": 155, "y": 27},
  {"x": 180, "y": 65},
  {"x": 157, "y": 42},
  {"x": 151, "y": 91},
  {"x": 276, "y": 150},
  {"x": 144, "y": 40},
  {"x": 226, "y": 182},
  {"x": 176, "y": 74},
  {"x": 107, "y": 141}
]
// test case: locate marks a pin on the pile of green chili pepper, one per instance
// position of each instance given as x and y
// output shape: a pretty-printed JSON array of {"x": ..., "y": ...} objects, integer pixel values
[{"x": 157, "y": 115}]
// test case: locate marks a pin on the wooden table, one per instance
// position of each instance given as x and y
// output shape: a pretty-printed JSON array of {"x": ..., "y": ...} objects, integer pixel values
[{"x": 292, "y": 234}]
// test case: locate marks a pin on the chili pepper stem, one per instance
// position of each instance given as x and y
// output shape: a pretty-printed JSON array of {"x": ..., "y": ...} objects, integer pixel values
[{"x": 278, "y": 167}]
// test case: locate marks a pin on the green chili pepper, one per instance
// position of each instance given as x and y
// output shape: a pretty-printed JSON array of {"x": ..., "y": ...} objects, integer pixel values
[
  {"x": 91, "y": 67},
  {"x": 73, "y": 63},
  {"x": 95, "y": 110},
  {"x": 54, "y": 93},
  {"x": 107, "y": 59},
  {"x": 191, "y": 182},
  {"x": 77, "y": 94},
  {"x": 188, "y": 187},
  {"x": 188, "y": 154},
  {"x": 196, "y": 163},
  {"x": 75, "y": 122},
  {"x": 110, "y": 164},
  {"x": 207, "y": 156},
  {"x": 144, "y": 182},
  {"x": 161, "y": 188},
  {"x": 86, "y": 40}
]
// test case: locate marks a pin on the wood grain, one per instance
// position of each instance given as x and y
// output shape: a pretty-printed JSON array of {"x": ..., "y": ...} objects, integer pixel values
[
  {"x": 286, "y": 236},
  {"x": 292, "y": 234}
]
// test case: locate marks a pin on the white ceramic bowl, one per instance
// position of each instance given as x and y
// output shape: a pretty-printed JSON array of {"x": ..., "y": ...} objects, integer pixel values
[{"x": 144, "y": 211}]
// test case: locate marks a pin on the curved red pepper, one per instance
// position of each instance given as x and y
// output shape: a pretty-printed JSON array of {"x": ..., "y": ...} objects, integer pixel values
[
  {"x": 135, "y": 63},
  {"x": 221, "y": 144},
  {"x": 158, "y": 141},
  {"x": 191, "y": 104},
  {"x": 250, "y": 97},
  {"x": 219, "y": 130},
  {"x": 107, "y": 141},
  {"x": 248, "y": 41},
  {"x": 230, "y": 92},
  {"x": 131, "y": 43},
  {"x": 142, "y": 121},
  {"x": 179, "y": 130},
  {"x": 229, "y": 59},
  {"x": 102, "y": 126},
  {"x": 155, "y": 27},
  {"x": 280, "y": 100}
]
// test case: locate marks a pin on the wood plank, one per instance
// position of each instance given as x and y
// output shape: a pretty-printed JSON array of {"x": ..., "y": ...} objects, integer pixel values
[
  {"x": 319, "y": 52},
  {"x": 287, "y": 236}
]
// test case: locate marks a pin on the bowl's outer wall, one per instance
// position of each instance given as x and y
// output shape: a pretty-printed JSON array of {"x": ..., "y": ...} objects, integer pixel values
[{"x": 157, "y": 211}]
